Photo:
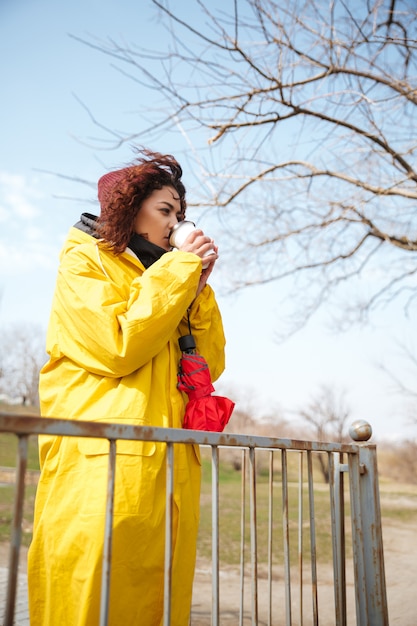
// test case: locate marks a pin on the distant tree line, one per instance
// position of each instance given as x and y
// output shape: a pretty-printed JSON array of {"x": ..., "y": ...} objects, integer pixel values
[{"x": 22, "y": 354}]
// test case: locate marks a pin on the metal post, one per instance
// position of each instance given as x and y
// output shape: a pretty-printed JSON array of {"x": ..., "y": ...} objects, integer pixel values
[
  {"x": 242, "y": 538},
  {"x": 253, "y": 536},
  {"x": 338, "y": 536},
  {"x": 215, "y": 611},
  {"x": 169, "y": 507},
  {"x": 313, "y": 547},
  {"x": 108, "y": 537},
  {"x": 300, "y": 535},
  {"x": 368, "y": 556},
  {"x": 286, "y": 533},
  {"x": 16, "y": 530},
  {"x": 270, "y": 533}
]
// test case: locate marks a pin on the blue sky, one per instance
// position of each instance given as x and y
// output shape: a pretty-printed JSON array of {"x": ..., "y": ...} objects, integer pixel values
[{"x": 45, "y": 73}]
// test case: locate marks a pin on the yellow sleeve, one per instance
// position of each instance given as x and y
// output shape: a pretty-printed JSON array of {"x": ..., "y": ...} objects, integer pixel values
[{"x": 112, "y": 327}]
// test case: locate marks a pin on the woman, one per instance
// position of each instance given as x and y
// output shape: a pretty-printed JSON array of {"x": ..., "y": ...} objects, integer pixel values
[{"x": 122, "y": 301}]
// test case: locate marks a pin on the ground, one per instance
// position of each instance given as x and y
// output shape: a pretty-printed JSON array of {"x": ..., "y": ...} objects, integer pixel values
[{"x": 400, "y": 548}]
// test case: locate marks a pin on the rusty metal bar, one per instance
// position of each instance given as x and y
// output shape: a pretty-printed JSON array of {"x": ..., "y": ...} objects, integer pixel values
[
  {"x": 286, "y": 535},
  {"x": 338, "y": 532},
  {"x": 108, "y": 537},
  {"x": 16, "y": 535},
  {"x": 253, "y": 535},
  {"x": 169, "y": 509},
  {"x": 215, "y": 611},
  {"x": 340, "y": 468},
  {"x": 80, "y": 428},
  {"x": 313, "y": 546},
  {"x": 242, "y": 538},
  {"x": 335, "y": 541},
  {"x": 300, "y": 536},
  {"x": 270, "y": 532},
  {"x": 368, "y": 556}
]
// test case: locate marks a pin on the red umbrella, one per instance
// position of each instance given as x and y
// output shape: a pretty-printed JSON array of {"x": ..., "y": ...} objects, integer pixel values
[{"x": 203, "y": 411}]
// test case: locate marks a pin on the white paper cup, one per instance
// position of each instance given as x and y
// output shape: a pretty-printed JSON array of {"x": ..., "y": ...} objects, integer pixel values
[{"x": 180, "y": 233}]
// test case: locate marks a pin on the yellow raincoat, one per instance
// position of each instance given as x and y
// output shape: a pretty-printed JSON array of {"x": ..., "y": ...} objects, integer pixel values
[{"x": 113, "y": 346}]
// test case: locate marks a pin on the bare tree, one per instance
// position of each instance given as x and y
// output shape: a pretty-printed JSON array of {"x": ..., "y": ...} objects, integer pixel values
[
  {"x": 326, "y": 416},
  {"x": 22, "y": 354},
  {"x": 302, "y": 121}
]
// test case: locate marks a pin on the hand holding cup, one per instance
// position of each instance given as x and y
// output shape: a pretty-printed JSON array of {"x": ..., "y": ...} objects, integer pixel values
[{"x": 198, "y": 243}]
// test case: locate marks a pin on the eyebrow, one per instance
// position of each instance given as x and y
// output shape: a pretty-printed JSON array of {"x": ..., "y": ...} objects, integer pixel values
[{"x": 171, "y": 206}]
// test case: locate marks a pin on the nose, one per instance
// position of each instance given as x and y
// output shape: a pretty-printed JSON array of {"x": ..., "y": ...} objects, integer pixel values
[{"x": 174, "y": 220}]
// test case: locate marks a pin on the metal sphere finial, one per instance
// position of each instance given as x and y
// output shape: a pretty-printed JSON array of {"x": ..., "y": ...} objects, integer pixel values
[{"x": 360, "y": 430}]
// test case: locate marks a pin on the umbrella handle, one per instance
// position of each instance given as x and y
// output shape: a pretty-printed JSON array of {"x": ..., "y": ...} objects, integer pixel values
[{"x": 187, "y": 344}]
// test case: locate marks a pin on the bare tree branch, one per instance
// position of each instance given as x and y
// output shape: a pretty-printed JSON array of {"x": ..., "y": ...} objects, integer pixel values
[{"x": 304, "y": 117}]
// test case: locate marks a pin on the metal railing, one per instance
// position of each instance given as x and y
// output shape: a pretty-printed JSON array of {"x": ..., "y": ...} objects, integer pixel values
[{"x": 277, "y": 467}]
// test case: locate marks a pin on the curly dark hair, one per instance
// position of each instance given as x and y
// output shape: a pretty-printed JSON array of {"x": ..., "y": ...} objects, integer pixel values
[{"x": 122, "y": 192}]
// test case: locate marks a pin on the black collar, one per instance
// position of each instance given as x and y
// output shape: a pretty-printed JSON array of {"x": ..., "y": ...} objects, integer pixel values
[{"x": 146, "y": 251}]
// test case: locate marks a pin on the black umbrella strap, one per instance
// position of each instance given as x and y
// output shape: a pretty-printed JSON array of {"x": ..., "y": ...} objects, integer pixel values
[{"x": 188, "y": 320}]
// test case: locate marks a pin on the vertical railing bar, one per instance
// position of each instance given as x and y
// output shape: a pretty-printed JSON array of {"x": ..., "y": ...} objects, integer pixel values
[
  {"x": 340, "y": 530},
  {"x": 215, "y": 611},
  {"x": 337, "y": 532},
  {"x": 342, "y": 538},
  {"x": 358, "y": 548},
  {"x": 253, "y": 536},
  {"x": 108, "y": 536},
  {"x": 270, "y": 533},
  {"x": 300, "y": 534},
  {"x": 285, "y": 526},
  {"x": 16, "y": 535},
  {"x": 332, "y": 493},
  {"x": 242, "y": 537},
  {"x": 313, "y": 546},
  {"x": 169, "y": 507}
]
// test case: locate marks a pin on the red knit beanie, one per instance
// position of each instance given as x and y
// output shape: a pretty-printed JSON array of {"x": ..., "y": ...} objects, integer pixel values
[{"x": 107, "y": 183}]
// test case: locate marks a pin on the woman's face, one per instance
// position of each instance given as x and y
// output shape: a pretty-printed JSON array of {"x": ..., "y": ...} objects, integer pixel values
[{"x": 158, "y": 215}]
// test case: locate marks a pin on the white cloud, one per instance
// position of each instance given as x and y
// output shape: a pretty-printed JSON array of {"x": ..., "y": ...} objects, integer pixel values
[
  {"x": 12, "y": 180},
  {"x": 25, "y": 238},
  {"x": 28, "y": 257},
  {"x": 17, "y": 196},
  {"x": 33, "y": 233}
]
